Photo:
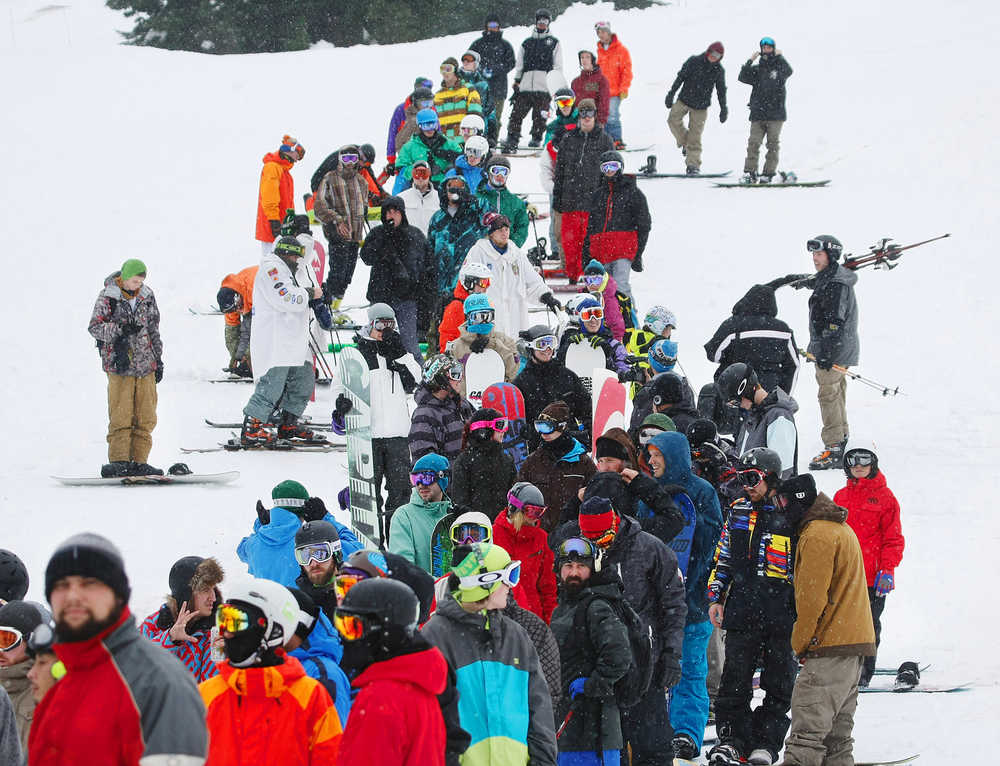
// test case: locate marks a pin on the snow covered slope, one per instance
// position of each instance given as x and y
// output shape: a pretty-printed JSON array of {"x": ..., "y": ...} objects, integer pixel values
[{"x": 114, "y": 152}]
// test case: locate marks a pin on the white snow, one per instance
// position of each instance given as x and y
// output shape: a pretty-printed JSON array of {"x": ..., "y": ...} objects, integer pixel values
[{"x": 115, "y": 152}]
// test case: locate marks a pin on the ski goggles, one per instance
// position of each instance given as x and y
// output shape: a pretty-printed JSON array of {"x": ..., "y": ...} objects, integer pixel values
[
  {"x": 546, "y": 425},
  {"x": 576, "y": 548},
  {"x": 10, "y": 638},
  {"x": 421, "y": 173},
  {"x": 467, "y": 533},
  {"x": 587, "y": 112},
  {"x": 532, "y": 511},
  {"x": 349, "y": 159},
  {"x": 426, "y": 103},
  {"x": 497, "y": 424},
  {"x": 813, "y": 245},
  {"x": 469, "y": 132},
  {"x": 486, "y": 316},
  {"x": 447, "y": 68},
  {"x": 593, "y": 280},
  {"x": 509, "y": 575},
  {"x": 456, "y": 188},
  {"x": 318, "y": 552},
  {"x": 468, "y": 60},
  {"x": 750, "y": 477},
  {"x": 493, "y": 26},
  {"x": 232, "y": 619},
  {"x": 384, "y": 324},
  {"x": 428, "y": 125},
  {"x": 592, "y": 312},
  {"x": 544, "y": 343},
  {"x": 351, "y": 627},
  {"x": 611, "y": 166},
  {"x": 471, "y": 282},
  {"x": 646, "y": 435},
  {"x": 346, "y": 580},
  {"x": 499, "y": 171},
  {"x": 563, "y": 101},
  {"x": 425, "y": 478},
  {"x": 858, "y": 457}
]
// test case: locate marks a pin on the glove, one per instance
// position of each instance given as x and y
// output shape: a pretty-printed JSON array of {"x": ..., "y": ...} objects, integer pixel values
[
  {"x": 596, "y": 341},
  {"x": 669, "y": 100},
  {"x": 344, "y": 498},
  {"x": 633, "y": 374},
  {"x": 338, "y": 425},
  {"x": 532, "y": 211},
  {"x": 391, "y": 346},
  {"x": 884, "y": 583},
  {"x": 130, "y": 328},
  {"x": 275, "y": 228},
  {"x": 671, "y": 671},
  {"x": 390, "y": 168},
  {"x": 800, "y": 281},
  {"x": 576, "y": 686},
  {"x": 824, "y": 362},
  {"x": 550, "y": 300},
  {"x": 158, "y": 374},
  {"x": 623, "y": 94},
  {"x": 576, "y": 337},
  {"x": 264, "y": 514},
  {"x": 637, "y": 263},
  {"x": 724, "y": 114},
  {"x": 313, "y": 509},
  {"x": 479, "y": 344},
  {"x": 343, "y": 405}
]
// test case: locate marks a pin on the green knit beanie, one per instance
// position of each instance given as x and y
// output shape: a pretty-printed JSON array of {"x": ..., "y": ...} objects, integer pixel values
[
  {"x": 659, "y": 420},
  {"x": 133, "y": 267},
  {"x": 289, "y": 494}
]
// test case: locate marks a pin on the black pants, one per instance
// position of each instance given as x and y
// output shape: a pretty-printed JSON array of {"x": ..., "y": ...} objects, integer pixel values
[
  {"x": 524, "y": 102},
  {"x": 877, "y": 604},
  {"x": 341, "y": 258},
  {"x": 646, "y": 727},
  {"x": 392, "y": 465},
  {"x": 766, "y": 726}
]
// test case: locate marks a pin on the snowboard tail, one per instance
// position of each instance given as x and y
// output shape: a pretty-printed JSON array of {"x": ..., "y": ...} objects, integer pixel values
[{"x": 143, "y": 481}]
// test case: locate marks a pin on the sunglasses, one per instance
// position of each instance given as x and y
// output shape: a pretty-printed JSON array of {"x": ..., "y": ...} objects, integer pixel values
[
  {"x": 232, "y": 619},
  {"x": 509, "y": 575},
  {"x": 564, "y": 102},
  {"x": 384, "y": 324},
  {"x": 421, "y": 173},
  {"x": 751, "y": 477},
  {"x": 447, "y": 68},
  {"x": 497, "y": 424},
  {"x": 347, "y": 580},
  {"x": 319, "y": 552},
  {"x": 348, "y": 159},
  {"x": 9, "y": 638},
  {"x": 593, "y": 280},
  {"x": 587, "y": 112},
  {"x": 500, "y": 171},
  {"x": 544, "y": 343},
  {"x": 486, "y": 316},
  {"x": 425, "y": 478},
  {"x": 351, "y": 627},
  {"x": 576, "y": 548},
  {"x": 611, "y": 166},
  {"x": 858, "y": 458},
  {"x": 594, "y": 312},
  {"x": 532, "y": 511},
  {"x": 470, "y": 532}
]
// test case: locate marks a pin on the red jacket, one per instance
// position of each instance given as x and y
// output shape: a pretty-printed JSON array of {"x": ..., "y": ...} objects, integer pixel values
[
  {"x": 594, "y": 84},
  {"x": 454, "y": 315},
  {"x": 276, "y": 194},
  {"x": 269, "y": 717},
  {"x": 536, "y": 590},
  {"x": 873, "y": 514},
  {"x": 396, "y": 719}
]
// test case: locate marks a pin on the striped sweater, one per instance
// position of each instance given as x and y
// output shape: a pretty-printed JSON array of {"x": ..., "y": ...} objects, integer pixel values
[
  {"x": 452, "y": 104},
  {"x": 437, "y": 424}
]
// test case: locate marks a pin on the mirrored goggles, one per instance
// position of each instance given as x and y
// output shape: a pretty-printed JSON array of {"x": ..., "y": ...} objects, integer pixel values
[
  {"x": 426, "y": 103},
  {"x": 231, "y": 618},
  {"x": 544, "y": 343},
  {"x": 347, "y": 580},
  {"x": 532, "y": 511},
  {"x": 493, "y": 26},
  {"x": 565, "y": 101},
  {"x": 471, "y": 282},
  {"x": 447, "y": 68},
  {"x": 351, "y": 627},
  {"x": 593, "y": 280},
  {"x": 348, "y": 159},
  {"x": 9, "y": 638},
  {"x": 497, "y": 424},
  {"x": 547, "y": 425},
  {"x": 499, "y": 171},
  {"x": 486, "y": 316},
  {"x": 384, "y": 324},
  {"x": 814, "y": 244},
  {"x": 750, "y": 477},
  {"x": 509, "y": 575},
  {"x": 469, "y": 532},
  {"x": 424, "y": 478},
  {"x": 611, "y": 166},
  {"x": 421, "y": 173},
  {"x": 428, "y": 125},
  {"x": 320, "y": 552},
  {"x": 588, "y": 112},
  {"x": 593, "y": 312},
  {"x": 425, "y": 82},
  {"x": 576, "y": 548},
  {"x": 858, "y": 457}
]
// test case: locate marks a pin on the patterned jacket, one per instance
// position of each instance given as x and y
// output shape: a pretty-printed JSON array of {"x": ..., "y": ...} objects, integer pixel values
[
  {"x": 452, "y": 236},
  {"x": 135, "y": 355},
  {"x": 452, "y": 104},
  {"x": 342, "y": 198},
  {"x": 195, "y": 655},
  {"x": 437, "y": 425}
]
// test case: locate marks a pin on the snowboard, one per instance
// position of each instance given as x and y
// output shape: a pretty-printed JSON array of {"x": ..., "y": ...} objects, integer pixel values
[
  {"x": 441, "y": 546},
  {"x": 482, "y": 370},
  {"x": 894, "y": 671},
  {"x": 524, "y": 154},
  {"x": 318, "y": 261},
  {"x": 508, "y": 399},
  {"x": 779, "y": 185},
  {"x": 141, "y": 481},
  {"x": 583, "y": 359},
  {"x": 681, "y": 544},
  {"x": 607, "y": 400},
  {"x": 898, "y": 762},
  {"x": 919, "y": 689},
  {"x": 355, "y": 377},
  {"x": 640, "y": 176}
]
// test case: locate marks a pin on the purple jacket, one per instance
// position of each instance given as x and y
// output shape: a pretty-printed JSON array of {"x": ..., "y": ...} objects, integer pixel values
[{"x": 612, "y": 310}]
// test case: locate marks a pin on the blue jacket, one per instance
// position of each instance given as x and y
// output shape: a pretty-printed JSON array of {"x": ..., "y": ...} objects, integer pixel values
[
  {"x": 269, "y": 551},
  {"x": 708, "y": 524},
  {"x": 320, "y": 656},
  {"x": 473, "y": 174}
]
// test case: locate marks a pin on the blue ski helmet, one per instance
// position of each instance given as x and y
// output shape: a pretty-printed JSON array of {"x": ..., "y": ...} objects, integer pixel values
[
  {"x": 662, "y": 355},
  {"x": 479, "y": 314},
  {"x": 588, "y": 302},
  {"x": 767, "y": 41},
  {"x": 427, "y": 117}
]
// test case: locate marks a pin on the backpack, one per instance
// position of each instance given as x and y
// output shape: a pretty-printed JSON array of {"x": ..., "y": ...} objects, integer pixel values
[{"x": 630, "y": 688}]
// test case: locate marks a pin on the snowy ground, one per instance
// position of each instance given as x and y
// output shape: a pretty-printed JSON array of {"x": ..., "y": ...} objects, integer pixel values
[{"x": 115, "y": 152}]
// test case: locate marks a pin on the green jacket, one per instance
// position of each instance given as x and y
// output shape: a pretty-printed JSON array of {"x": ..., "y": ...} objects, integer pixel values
[
  {"x": 503, "y": 202},
  {"x": 440, "y": 152},
  {"x": 412, "y": 527},
  {"x": 561, "y": 121}
]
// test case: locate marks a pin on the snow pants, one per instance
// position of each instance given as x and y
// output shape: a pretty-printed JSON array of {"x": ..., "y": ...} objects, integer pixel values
[
  {"x": 768, "y": 647},
  {"x": 832, "y": 395},
  {"x": 589, "y": 758},
  {"x": 614, "y": 125},
  {"x": 823, "y": 705},
  {"x": 877, "y": 604},
  {"x": 689, "y": 699},
  {"x": 758, "y": 130},
  {"x": 286, "y": 387},
  {"x": 342, "y": 258},
  {"x": 536, "y": 102},
  {"x": 391, "y": 458},
  {"x": 646, "y": 728},
  {"x": 131, "y": 417},
  {"x": 232, "y": 342},
  {"x": 573, "y": 229},
  {"x": 689, "y": 138},
  {"x": 620, "y": 270}
]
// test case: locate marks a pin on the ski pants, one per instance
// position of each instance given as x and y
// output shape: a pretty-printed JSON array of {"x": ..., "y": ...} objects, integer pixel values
[
  {"x": 689, "y": 699},
  {"x": 646, "y": 729},
  {"x": 689, "y": 138},
  {"x": 877, "y": 603},
  {"x": 823, "y": 705},
  {"x": 287, "y": 387},
  {"x": 342, "y": 257},
  {"x": 536, "y": 102},
  {"x": 620, "y": 270},
  {"x": 406, "y": 322},
  {"x": 392, "y": 465},
  {"x": 832, "y": 395},
  {"x": 613, "y": 127},
  {"x": 131, "y": 416},
  {"x": 232, "y": 342},
  {"x": 758, "y": 130},
  {"x": 589, "y": 758},
  {"x": 768, "y": 647},
  {"x": 573, "y": 230}
]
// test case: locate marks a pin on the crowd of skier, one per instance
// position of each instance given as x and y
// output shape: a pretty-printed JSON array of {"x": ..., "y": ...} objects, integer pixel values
[{"x": 601, "y": 600}]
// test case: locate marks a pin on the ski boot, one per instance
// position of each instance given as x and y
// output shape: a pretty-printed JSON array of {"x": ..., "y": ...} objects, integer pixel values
[
  {"x": 291, "y": 428},
  {"x": 830, "y": 457},
  {"x": 788, "y": 178},
  {"x": 510, "y": 147},
  {"x": 692, "y": 171},
  {"x": 765, "y": 178},
  {"x": 762, "y": 757},
  {"x": 750, "y": 177},
  {"x": 684, "y": 747},
  {"x": 725, "y": 754},
  {"x": 116, "y": 469},
  {"x": 650, "y": 167},
  {"x": 534, "y": 143},
  {"x": 145, "y": 469},
  {"x": 255, "y": 433},
  {"x": 619, "y": 144},
  {"x": 907, "y": 676}
]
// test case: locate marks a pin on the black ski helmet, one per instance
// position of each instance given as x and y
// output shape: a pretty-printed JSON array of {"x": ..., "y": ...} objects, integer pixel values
[
  {"x": 371, "y": 562},
  {"x": 526, "y": 492},
  {"x": 437, "y": 371},
  {"x": 543, "y": 13},
  {"x": 861, "y": 450},
  {"x": 700, "y": 431},
  {"x": 738, "y": 381},
  {"x": 763, "y": 459},
  {"x": 389, "y": 605},
  {"x": 367, "y": 152},
  {"x": 667, "y": 388},
  {"x": 289, "y": 246},
  {"x": 535, "y": 332},
  {"x": 13, "y": 576},
  {"x": 612, "y": 156},
  {"x": 830, "y": 245},
  {"x": 316, "y": 532}
]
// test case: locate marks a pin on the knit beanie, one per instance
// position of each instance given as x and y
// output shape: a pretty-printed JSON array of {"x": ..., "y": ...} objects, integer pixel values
[
  {"x": 557, "y": 411},
  {"x": 716, "y": 47},
  {"x": 133, "y": 267},
  {"x": 660, "y": 421},
  {"x": 289, "y": 495},
  {"x": 192, "y": 574},
  {"x": 594, "y": 266},
  {"x": 226, "y": 298},
  {"x": 434, "y": 462},
  {"x": 586, "y": 103},
  {"x": 88, "y": 555},
  {"x": 596, "y": 516},
  {"x": 608, "y": 447}
]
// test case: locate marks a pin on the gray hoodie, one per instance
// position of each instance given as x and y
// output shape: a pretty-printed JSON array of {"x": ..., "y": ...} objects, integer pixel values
[{"x": 772, "y": 424}]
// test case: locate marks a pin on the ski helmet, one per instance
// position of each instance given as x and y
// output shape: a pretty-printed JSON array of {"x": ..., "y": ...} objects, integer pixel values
[
  {"x": 474, "y": 122},
  {"x": 667, "y": 388},
  {"x": 701, "y": 431},
  {"x": 479, "y": 314},
  {"x": 379, "y": 312},
  {"x": 767, "y": 41},
  {"x": 659, "y": 319},
  {"x": 477, "y": 146},
  {"x": 13, "y": 576},
  {"x": 612, "y": 156},
  {"x": 543, "y": 13},
  {"x": 797, "y": 494},
  {"x": 578, "y": 549},
  {"x": 367, "y": 152},
  {"x": 860, "y": 456},
  {"x": 498, "y": 161},
  {"x": 469, "y": 526},
  {"x": 738, "y": 381},
  {"x": 535, "y": 332},
  {"x": 379, "y": 611},
  {"x": 470, "y": 274},
  {"x": 24, "y": 617},
  {"x": 662, "y": 355},
  {"x": 287, "y": 247},
  {"x": 273, "y": 615},
  {"x": 316, "y": 532},
  {"x": 469, "y": 565},
  {"x": 228, "y": 299},
  {"x": 763, "y": 459},
  {"x": 828, "y": 244},
  {"x": 427, "y": 119},
  {"x": 370, "y": 562},
  {"x": 573, "y": 304},
  {"x": 441, "y": 368},
  {"x": 526, "y": 498},
  {"x": 564, "y": 93}
]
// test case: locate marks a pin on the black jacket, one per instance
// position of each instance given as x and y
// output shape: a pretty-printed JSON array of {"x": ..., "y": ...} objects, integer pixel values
[
  {"x": 600, "y": 653},
  {"x": 542, "y": 384},
  {"x": 682, "y": 413},
  {"x": 480, "y": 478},
  {"x": 833, "y": 316},
  {"x": 390, "y": 348},
  {"x": 578, "y": 168},
  {"x": 496, "y": 60},
  {"x": 698, "y": 76},
  {"x": 618, "y": 205},
  {"x": 398, "y": 257},
  {"x": 754, "y": 335},
  {"x": 767, "y": 99}
]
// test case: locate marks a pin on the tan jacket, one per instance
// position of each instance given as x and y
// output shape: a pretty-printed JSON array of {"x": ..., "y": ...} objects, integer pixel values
[
  {"x": 461, "y": 347},
  {"x": 14, "y": 680},
  {"x": 831, "y": 594}
]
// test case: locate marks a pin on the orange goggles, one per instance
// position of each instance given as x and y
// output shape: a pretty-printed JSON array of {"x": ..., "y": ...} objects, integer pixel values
[
  {"x": 595, "y": 312},
  {"x": 9, "y": 638},
  {"x": 345, "y": 581},
  {"x": 351, "y": 627},
  {"x": 232, "y": 619}
]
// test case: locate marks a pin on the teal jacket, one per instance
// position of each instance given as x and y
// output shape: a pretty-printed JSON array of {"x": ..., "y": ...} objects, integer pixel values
[
  {"x": 561, "y": 121},
  {"x": 503, "y": 202},
  {"x": 451, "y": 237},
  {"x": 412, "y": 527},
  {"x": 504, "y": 701}
]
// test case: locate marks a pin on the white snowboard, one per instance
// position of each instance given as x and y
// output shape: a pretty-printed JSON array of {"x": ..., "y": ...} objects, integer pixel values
[
  {"x": 136, "y": 481},
  {"x": 482, "y": 370},
  {"x": 583, "y": 359}
]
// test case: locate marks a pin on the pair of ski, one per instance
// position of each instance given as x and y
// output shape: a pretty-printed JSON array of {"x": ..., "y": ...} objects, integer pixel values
[{"x": 897, "y": 762}]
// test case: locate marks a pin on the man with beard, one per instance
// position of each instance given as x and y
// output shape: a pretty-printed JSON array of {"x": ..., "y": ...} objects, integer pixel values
[
  {"x": 122, "y": 698},
  {"x": 318, "y": 552}
]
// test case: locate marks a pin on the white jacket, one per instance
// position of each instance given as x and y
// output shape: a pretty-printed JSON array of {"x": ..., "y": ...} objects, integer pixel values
[
  {"x": 547, "y": 171},
  {"x": 513, "y": 282},
  {"x": 387, "y": 399},
  {"x": 281, "y": 312},
  {"x": 420, "y": 207}
]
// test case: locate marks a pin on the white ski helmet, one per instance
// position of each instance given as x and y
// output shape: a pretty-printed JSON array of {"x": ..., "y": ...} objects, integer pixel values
[
  {"x": 572, "y": 303},
  {"x": 278, "y": 605},
  {"x": 473, "y": 121},
  {"x": 658, "y": 318},
  {"x": 477, "y": 146},
  {"x": 474, "y": 270}
]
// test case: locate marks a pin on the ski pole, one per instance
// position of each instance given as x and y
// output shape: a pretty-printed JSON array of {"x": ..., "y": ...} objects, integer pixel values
[
  {"x": 562, "y": 726},
  {"x": 885, "y": 390}
]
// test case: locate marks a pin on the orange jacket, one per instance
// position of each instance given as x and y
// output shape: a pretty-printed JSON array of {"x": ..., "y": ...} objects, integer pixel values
[
  {"x": 277, "y": 194},
  {"x": 241, "y": 282},
  {"x": 269, "y": 717},
  {"x": 454, "y": 315},
  {"x": 616, "y": 64}
]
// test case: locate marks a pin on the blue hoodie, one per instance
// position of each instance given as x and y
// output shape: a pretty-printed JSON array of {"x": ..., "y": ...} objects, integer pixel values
[
  {"x": 320, "y": 657},
  {"x": 473, "y": 174},
  {"x": 269, "y": 551},
  {"x": 708, "y": 525}
]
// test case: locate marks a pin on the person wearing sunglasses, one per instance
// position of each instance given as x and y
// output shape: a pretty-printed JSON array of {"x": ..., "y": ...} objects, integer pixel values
[
  {"x": 767, "y": 79},
  {"x": 412, "y": 530},
  {"x": 591, "y": 328},
  {"x": 441, "y": 413},
  {"x": 258, "y": 681},
  {"x": 619, "y": 223},
  {"x": 478, "y": 334},
  {"x": 403, "y": 123},
  {"x": 697, "y": 77},
  {"x": 538, "y": 54},
  {"x": 577, "y": 175},
  {"x": 483, "y": 472},
  {"x": 276, "y": 192},
  {"x": 477, "y": 638},
  {"x": 591, "y": 83},
  {"x": 426, "y": 143},
  {"x": 455, "y": 99},
  {"x": 518, "y": 531},
  {"x": 342, "y": 207},
  {"x": 497, "y": 198},
  {"x": 833, "y": 637},
  {"x": 18, "y": 619},
  {"x": 751, "y": 597},
  {"x": 874, "y": 515},
  {"x": 496, "y": 60}
]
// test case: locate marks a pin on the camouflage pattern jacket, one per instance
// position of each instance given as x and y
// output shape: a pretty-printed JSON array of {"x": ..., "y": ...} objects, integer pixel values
[{"x": 137, "y": 354}]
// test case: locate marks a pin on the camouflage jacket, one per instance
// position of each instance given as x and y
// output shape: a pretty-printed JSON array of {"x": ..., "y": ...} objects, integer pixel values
[{"x": 135, "y": 355}]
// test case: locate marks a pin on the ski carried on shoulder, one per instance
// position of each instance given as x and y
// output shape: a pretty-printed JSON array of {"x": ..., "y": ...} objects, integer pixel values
[
  {"x": 640, "y": 176},
  {"x": 154, "y": 480}
]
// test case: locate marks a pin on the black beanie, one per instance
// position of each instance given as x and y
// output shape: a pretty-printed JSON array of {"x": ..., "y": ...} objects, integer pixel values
[
  {"x": 611, "y": 486},
  {"x": 88, "y": 555},
  {"x": 226, "y": 298},
  {"x": 191, "y": 574},
  {"x": 800, "y": 490},
  {"x": 608, "y": 447},
  {"x": 667, "y": 388}
]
